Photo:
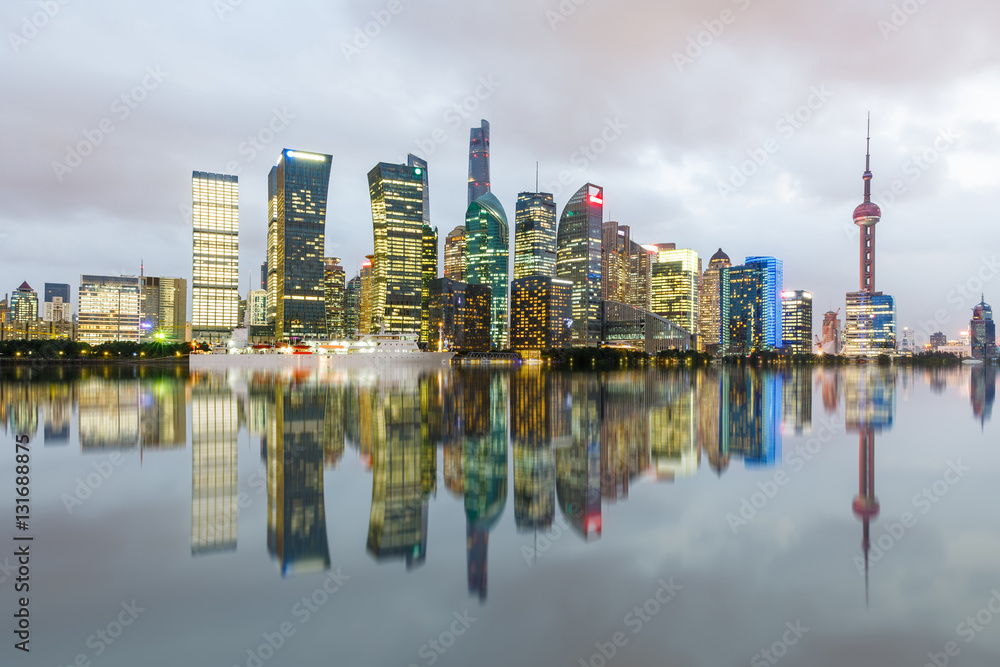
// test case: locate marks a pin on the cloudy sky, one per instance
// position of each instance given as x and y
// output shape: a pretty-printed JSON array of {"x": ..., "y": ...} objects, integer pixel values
[{"x": 732, "y": 123}]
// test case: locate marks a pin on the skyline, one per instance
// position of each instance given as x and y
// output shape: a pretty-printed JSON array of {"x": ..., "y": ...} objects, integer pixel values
[{"x": 660, "y": 164}]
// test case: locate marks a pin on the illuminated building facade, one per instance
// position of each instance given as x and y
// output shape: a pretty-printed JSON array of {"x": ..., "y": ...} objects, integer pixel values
[
  {"x": 983, "y": 331},
  {"x": 297, "y": 190},
  {"x": 487, "y": 256},
  {"x": 257, "y": 308},
  {"x": 709, "y": 303},
  {"x": 741, "y": 290},
  {"x": 214, "y": 454},
  {"x": 398, "y": 196},
  {"x": 628, "y": 327},
  {"x": 352, "y": 307},
  {"x": 676, "y": 277},
  {"x": 333, "y": 297},
  {"x": 366, "y": 308},
  {"x": 578, "y": 259},
  {"x": 615, "y": 264},
  {"x": 541, "y": 312},
  {"x": 164, "y": 308},
  {"x": 772, "y": 285},
  {"x": 23, "y": 304},
  {"x": 215, "y": 218},
  {"x": 454, "y": 254},
  {"x": 109, "y": 309},
  {"x": 429, "y": 273},
  {"x": 458, "y": 316},
  {"x": 479, "y": 161},
  {"x": 796, "y": 321},
  {"x": 534, "y": 235},
  {"x": 870, "y": 324}
]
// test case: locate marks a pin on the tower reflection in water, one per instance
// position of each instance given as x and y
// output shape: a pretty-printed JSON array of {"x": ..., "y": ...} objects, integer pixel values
[
  {"x": 983, "y": 390},
  {"x": 869, "y": 406}
]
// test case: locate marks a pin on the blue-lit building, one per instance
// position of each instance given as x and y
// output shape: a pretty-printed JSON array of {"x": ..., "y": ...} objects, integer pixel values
[
  {"x": 56, "y": 290},
  {"x": 297, "y": 188},
  {"x": 578, "y": 259},
  {"x": 772, "y": 275}
]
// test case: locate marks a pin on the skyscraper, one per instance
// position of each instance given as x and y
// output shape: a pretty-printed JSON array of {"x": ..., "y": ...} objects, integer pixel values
[
  {"x": 578, "y": 259},
  {"x": 366, "y": 306},
  {"x": 676, "y": 277},
  {"x": 297, "y": 189},
  {"x": 57, "y": 289},
  {"x": 479, "y": 161},
  {"x": 870, "y": 319},
  {"x": 398, "y": 193},
  {"x": 741, "y": 300},
  {"x": 772, "y": 275},
  {"x": 709, "y": 313},
  {"x": 164, "y": 308},
  {"x": 333, "y": 296},
  {"x": 429, "y": 270},
  {"x": 454, "y": 254},
  {"x": 458, "y": 316},
  {"x": 796, "y": 321},
  {"x": 109, "y": 309},
  {"x": 534, "y": 235},
  {"x": 257, "y": 308},
  {"x": 983, "y": 331},
  {"x": 215, "y": 218},
  {"x": 540, "y": 313},
  {"x": 487, "y": 252},
  {"x": 24, "y": 304},
  {"x": 615, "y": 240},
  {"x": 352, "y": 306},
  {"x": 831, "y": 332}
]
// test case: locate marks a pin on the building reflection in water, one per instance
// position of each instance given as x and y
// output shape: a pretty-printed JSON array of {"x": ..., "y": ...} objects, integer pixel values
[
  {"x": 870, "y": 405},
  {"x": 403, "y": 463},
  {"x": 296, "y": 520},
  {"x": 796, "y": 400},
  {"x": 484, "y": 467},
  {"x": 983, "y": 389},
  {"x": 670, "y": 425},
  {"x": 740, "y": 416},
  {"x": 215, "y": 422},
  {"x": 578, "y": 466}
]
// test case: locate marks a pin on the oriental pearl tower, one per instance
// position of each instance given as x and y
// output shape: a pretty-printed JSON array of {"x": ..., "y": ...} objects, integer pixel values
[{"x": 866, "y": 216}]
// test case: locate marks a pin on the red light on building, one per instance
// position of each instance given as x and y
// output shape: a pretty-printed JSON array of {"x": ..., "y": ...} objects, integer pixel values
[{"x": 594, "y": 199}]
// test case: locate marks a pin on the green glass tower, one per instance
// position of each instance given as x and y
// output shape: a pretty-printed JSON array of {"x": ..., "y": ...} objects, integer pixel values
[
  {"x": 488, "y": 259},
  {"x": 399, "y": 216},
  {"x": 578, "y": 259}
]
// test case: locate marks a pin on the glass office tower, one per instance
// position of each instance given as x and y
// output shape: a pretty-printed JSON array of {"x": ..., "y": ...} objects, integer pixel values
[
  {"x": 296, "y": 191},
  {"x": 578, "y": 259},
  {"x": 487, "y": 252},
  {"x": 215, "y": 219},
  {"x": 398, "y": 193},
  {"x": 772, "y": 275},
  {"x": 534, "y": 235}
]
